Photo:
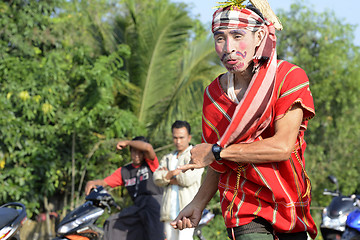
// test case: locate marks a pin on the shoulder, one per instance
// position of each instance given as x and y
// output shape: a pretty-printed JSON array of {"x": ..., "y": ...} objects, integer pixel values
[
  {"x": 285, "y": 68},
  {"x": 293, "y": 87},
  {"x": 152, "y": 164},
  {"x": 213, "y": 91},
  {"x": 290, "y": 76},
  {"x": 128, "y": 166},
  {"x": 186, "y": 152},
  {"x": 169, "y": 155},
  {"x": 215, "y": 84},
  {"x": 188, "y": 149}
]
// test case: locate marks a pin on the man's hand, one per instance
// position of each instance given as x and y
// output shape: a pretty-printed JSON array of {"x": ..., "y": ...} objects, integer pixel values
[
  {"x": 93, "y": 184},
  {"x": 122, "y": 144},
  {"x": 89, "y": 185},
  {"x": 201, "y": 156},
  {"x": 171, "y": 174},
  {"x": 189, "y": 217}
]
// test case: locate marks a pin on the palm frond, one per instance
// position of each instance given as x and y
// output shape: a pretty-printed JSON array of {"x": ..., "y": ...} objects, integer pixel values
[
  {"x": 161, "y": 38},
  {"x": 198, "y": 69}
]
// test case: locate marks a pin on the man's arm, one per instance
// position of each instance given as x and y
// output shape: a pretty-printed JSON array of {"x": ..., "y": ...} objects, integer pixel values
[
  {"x": 190, "y": 216},
  {"x": 162, "y": 176},
  {"x": 146, "y": 148},
  {"x": 274, "y": 149}
]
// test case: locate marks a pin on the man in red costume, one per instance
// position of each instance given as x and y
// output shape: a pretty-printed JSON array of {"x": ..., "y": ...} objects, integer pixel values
[{"x": 254, "y": 119}]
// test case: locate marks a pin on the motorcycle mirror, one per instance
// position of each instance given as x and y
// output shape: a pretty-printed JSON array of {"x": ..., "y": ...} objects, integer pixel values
[{"x": 334, "y": 181}]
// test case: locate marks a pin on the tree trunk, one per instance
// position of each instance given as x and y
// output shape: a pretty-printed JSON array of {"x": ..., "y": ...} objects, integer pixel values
[{"x": 72, "y": 204}]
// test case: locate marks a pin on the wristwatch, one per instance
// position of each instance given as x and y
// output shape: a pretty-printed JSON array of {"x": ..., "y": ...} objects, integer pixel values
[{"x": 216, "y": 149}]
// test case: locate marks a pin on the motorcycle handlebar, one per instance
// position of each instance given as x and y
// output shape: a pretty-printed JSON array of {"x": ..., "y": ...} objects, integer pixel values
[
  {"x": 114, "y": 204},
  {"x": 104, "y": 198},
  {"x": 331, "y": 193}
]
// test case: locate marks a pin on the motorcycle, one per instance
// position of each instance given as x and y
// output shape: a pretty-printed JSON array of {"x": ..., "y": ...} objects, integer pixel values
[
  {"x": 334, "y": 216},
  {"x": 81, "y": 222},
  {"x": 12, "y": 217},
  {"x": 352, "y": 231}
]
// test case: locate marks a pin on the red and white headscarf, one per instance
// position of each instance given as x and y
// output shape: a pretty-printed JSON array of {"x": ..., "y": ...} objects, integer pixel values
[{"x": 254, "y": 112}]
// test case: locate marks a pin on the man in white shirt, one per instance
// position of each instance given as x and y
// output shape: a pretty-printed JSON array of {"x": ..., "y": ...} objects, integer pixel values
[{"x": 179, "y": 187}]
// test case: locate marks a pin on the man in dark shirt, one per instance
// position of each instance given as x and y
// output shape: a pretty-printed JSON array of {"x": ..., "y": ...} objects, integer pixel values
[{"x": 142, "y": 220}]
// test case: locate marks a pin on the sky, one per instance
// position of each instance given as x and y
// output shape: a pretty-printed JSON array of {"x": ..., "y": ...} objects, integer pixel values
[{"x": 347, "y": 11}]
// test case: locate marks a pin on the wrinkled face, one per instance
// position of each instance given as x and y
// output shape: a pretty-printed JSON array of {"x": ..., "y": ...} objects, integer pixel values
[
  {"x": 236, "y": 47},
  {"x": 181, "y": 138},
  {"x": 137, "y": 156}
]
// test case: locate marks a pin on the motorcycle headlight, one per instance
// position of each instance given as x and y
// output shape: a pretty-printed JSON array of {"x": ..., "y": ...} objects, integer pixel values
[
  {"x": 334, "y": 223},
  {"x": 78, "y": 221},
  {"x": 342, "y": 219}
]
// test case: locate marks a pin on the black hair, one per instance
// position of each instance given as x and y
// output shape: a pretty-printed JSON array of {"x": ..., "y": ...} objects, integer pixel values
[
  {"x": 256, "y": 10},
  {"x": 140, "y": 138},
  {"x": 181, "y": 124}
]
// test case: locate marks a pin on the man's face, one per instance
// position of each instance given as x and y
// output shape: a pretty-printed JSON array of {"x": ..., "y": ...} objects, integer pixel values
[
  {"x": 137, "y": 156},
  {"x": 181, "y": 138},
  {"x": 236, "y": 48}
]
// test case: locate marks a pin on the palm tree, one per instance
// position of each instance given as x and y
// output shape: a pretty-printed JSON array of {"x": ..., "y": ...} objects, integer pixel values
[
  {"x": 172, "y": 58},
  {"x": 169, "y": 65}
]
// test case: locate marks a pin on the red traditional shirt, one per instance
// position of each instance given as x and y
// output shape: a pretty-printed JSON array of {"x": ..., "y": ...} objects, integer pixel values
[{"x": 280, "y": 191}]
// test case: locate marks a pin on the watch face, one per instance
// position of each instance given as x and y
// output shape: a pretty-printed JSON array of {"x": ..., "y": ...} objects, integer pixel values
[{"x": 217, "y": 148}]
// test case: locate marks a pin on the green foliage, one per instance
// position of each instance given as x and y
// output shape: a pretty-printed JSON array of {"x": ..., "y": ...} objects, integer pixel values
[
  {"x": 169, "y": 65},
  {"x": 215, "y": 229},
  {"x": 46, "y": 100},
  {"x": 71, "y": 98},
  {"x": 25, "y": 29}
]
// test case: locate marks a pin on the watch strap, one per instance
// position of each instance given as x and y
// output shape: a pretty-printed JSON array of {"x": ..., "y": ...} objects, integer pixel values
[{"x": 216, "y": 149}]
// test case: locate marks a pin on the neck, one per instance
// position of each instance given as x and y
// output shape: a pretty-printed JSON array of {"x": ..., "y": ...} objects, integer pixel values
[
  {"x": 181, "y": 151},
  {"x": 244, "y": 77}
]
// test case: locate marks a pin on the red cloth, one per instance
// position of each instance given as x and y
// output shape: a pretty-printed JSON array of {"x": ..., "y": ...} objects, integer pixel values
[
  {"x": 275, "y": 191},
  {"x": 115, "y": 179}
]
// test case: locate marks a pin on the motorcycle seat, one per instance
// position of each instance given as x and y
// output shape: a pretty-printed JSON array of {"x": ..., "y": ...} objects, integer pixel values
[{"x": 7, "y": 215}]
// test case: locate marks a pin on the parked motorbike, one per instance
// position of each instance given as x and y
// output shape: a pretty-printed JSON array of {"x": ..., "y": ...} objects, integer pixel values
[
  {"x": 12, "y": 217},
  {"x": 80, "y": 223},
  {"x": 334, "y": 216},
  {"x": 352, "y": 231}
]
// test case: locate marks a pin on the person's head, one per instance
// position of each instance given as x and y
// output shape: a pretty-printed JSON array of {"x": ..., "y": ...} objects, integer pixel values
[
  {"x": 181, "y": 133},
  {"x": 242, "y": 37},
  {"x": 137, "y": 156}
]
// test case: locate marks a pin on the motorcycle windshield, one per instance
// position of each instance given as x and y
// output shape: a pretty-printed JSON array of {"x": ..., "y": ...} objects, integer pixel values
[
  {"x": 340, "y": 205},
  {"x": 86, "y": 209},
  {"x": 7, "y": 215}
]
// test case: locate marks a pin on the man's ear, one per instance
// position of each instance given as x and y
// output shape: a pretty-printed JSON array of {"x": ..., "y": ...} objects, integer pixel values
[{"x": 259, "y": 36}]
